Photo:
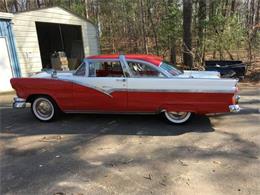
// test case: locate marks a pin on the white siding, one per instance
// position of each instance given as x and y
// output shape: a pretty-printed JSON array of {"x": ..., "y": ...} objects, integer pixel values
[{"x": 27, "y": 41}]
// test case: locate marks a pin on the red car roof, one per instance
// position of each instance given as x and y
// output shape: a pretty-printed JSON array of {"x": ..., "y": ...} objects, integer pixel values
[{"x": 156, "y": 60}]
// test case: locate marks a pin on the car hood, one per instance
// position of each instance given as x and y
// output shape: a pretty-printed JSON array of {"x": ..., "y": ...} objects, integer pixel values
[{"x": 199, "y": 74}]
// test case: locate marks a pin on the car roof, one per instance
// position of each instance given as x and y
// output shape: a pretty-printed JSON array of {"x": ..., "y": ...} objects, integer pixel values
[{"x": 156, "y": 60}]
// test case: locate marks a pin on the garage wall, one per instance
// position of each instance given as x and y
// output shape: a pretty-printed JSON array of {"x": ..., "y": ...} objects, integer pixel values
[{"x": 26, "y": 35}]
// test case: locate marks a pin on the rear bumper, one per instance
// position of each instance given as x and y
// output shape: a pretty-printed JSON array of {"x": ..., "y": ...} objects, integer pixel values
[
  {"x": 237, "y": 98},
  {"x": 19, "y": 103},
  {"x": 234, "y": 108}
]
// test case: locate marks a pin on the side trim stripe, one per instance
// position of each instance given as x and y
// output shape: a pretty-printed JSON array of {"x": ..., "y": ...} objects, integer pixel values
[{"x": 110, "y": 91}]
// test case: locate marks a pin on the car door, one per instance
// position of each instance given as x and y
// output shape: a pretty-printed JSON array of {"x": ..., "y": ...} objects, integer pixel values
[
  {"x": 102, "y": 88},
  {"x": 144, "y": 91}
]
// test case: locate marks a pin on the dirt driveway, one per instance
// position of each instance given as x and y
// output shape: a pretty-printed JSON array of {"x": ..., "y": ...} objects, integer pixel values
[{"x": 105, "y": 154}]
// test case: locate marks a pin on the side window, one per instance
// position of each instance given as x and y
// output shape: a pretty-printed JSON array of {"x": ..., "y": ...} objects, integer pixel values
[
  {"x": 105, "y": 69},
  {"x": 143, "y": 70},
  {"x": 81, "y": 70}
]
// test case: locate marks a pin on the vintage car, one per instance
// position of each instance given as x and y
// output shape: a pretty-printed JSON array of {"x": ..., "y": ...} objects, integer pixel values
[{"x": 141, "y": 84}]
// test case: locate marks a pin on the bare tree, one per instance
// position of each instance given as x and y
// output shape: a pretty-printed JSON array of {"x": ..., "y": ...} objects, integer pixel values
[
  {"x": 143, "y": 26},
  {"x": 86, "y": 9},
  {"x": 6, "y": 6},
  {"x": 187, "y": 34},
  {"x": 201, "y": 30},
  {"x": 38, "y": 3}
]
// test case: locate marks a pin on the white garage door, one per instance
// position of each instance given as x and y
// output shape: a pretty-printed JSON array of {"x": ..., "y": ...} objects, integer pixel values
[{"x": 5, "y": 67}]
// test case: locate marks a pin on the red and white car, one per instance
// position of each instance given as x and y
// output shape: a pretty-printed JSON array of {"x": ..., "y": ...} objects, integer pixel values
[{"x": 127, "y": 84}]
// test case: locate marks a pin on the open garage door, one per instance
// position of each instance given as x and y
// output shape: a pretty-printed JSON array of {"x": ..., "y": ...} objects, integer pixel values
[
  {"x": 60, "y": 37},
  {"x": 5, "y": 67}
]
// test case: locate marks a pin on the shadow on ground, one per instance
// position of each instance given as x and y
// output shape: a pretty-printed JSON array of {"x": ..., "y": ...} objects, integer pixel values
[
  {"x": 85, "y": 162},
  {"x": 150, "y": 125}
]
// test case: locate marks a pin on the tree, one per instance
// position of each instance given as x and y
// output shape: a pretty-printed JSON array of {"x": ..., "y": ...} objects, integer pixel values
[
  {"x": 201, "y": 31},
  {"x": 6, "y": 6},
  {"x": 187, "y": 34}
]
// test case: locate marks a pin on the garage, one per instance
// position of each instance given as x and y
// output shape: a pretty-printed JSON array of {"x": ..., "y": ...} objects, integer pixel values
[{"x": 53, "y": 38}]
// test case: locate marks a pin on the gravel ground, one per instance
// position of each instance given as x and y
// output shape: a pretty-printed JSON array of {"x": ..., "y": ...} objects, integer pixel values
[{"x": 121, "y": 154}]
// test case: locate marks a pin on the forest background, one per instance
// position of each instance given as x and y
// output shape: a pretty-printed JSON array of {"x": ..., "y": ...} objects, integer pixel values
[{"x": 185, "y": 32}]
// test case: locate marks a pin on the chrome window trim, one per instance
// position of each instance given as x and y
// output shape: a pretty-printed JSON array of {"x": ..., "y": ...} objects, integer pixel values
[
  {"x": 164, "y": 73},
  {"x": 125, "y": 65},
  {"x": 88, "y": 61},
  {"x": 86, "y": 70},
  {"x": 169, "y": 76}
]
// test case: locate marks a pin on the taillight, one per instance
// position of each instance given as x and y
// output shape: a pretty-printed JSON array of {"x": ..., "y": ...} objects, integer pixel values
[
  {"x": 236, "y": 90},
  {"x": 234, "y": 99}
]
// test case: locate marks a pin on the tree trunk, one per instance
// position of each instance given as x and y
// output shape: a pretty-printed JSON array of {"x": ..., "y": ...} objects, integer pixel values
[
  {"x": 6, "y": 6},
  {"x": 153, "y": 26},
  {"x": 187, "y": 34},
  {"x": 86, "y": 9},
  {"x": 143, "y": 27},
  {"x": 173, "y": 57},
  {"x": 16, "y": 6},
  {"x": 201, "y": 30},
  {"x": 252, "y": 10},
  {"x": 257, "y": 18},
  {"x": 233, "y": 5},
  {"x": 38, "y": 3}
]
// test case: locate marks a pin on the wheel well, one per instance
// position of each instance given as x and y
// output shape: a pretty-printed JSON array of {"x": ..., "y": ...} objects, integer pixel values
[{"x": 32, "y": 97}]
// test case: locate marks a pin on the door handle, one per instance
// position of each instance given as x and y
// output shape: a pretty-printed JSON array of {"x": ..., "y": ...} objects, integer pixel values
[{"x": 121, "y": 80}]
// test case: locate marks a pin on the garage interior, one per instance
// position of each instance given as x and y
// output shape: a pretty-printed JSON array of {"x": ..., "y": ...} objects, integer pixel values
[{"x": 54, "y": 39}]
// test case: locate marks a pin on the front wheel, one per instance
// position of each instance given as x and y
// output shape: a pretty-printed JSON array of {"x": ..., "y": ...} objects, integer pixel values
[
  {"x": 44, "y": 109},
  {"x": 177, "y": 117}
]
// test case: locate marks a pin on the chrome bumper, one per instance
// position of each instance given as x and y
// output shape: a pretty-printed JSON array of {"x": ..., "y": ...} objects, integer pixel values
[
  {"x": 234, "y": 108},
  {"x": 19, "y": 103}
]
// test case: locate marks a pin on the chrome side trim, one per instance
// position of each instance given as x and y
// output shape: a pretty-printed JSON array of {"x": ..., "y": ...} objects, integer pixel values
[
  {"x": 110, "y": 91},
  {"x": 234, "y": 108},
  {"x": 19, "y": 102},
  {"x": 170, "y": 90},
  {"x": 107, "y": 112}
]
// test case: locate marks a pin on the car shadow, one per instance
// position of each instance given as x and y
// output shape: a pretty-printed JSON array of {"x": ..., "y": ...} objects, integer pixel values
[{"x": 22, "y": 122}]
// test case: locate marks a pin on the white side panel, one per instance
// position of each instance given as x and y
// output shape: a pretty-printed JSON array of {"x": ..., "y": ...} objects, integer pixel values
[
  {"x": 5, "y": 67},
  {"x": 182, "y": 85}
]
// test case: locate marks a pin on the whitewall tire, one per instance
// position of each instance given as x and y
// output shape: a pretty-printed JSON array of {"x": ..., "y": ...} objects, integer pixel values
[
  {"x": 177, "y": 117},
  {"x": 44, "y": 109}
]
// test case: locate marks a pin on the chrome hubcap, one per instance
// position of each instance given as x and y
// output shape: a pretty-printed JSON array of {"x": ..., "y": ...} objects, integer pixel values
[
  {"x": 178, "y": 115},
  {"x": 44, "y": 108}
]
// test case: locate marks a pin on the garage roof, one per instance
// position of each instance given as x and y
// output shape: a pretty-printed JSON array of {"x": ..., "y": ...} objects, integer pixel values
[{"x": 65, "y": 9}]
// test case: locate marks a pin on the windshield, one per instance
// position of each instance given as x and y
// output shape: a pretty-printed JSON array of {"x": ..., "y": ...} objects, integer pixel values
[{"x": 170, "y": 68}]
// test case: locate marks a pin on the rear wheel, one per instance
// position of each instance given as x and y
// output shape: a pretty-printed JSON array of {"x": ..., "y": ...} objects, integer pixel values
[
  {"x": 44, "y": 108},
  {"x": 177, "y": 117}
]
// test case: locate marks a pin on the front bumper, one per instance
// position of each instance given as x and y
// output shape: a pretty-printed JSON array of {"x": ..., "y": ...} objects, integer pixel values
[
  {"x": 19, "y": 103},
  {"x": 234, "y": 108}
]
